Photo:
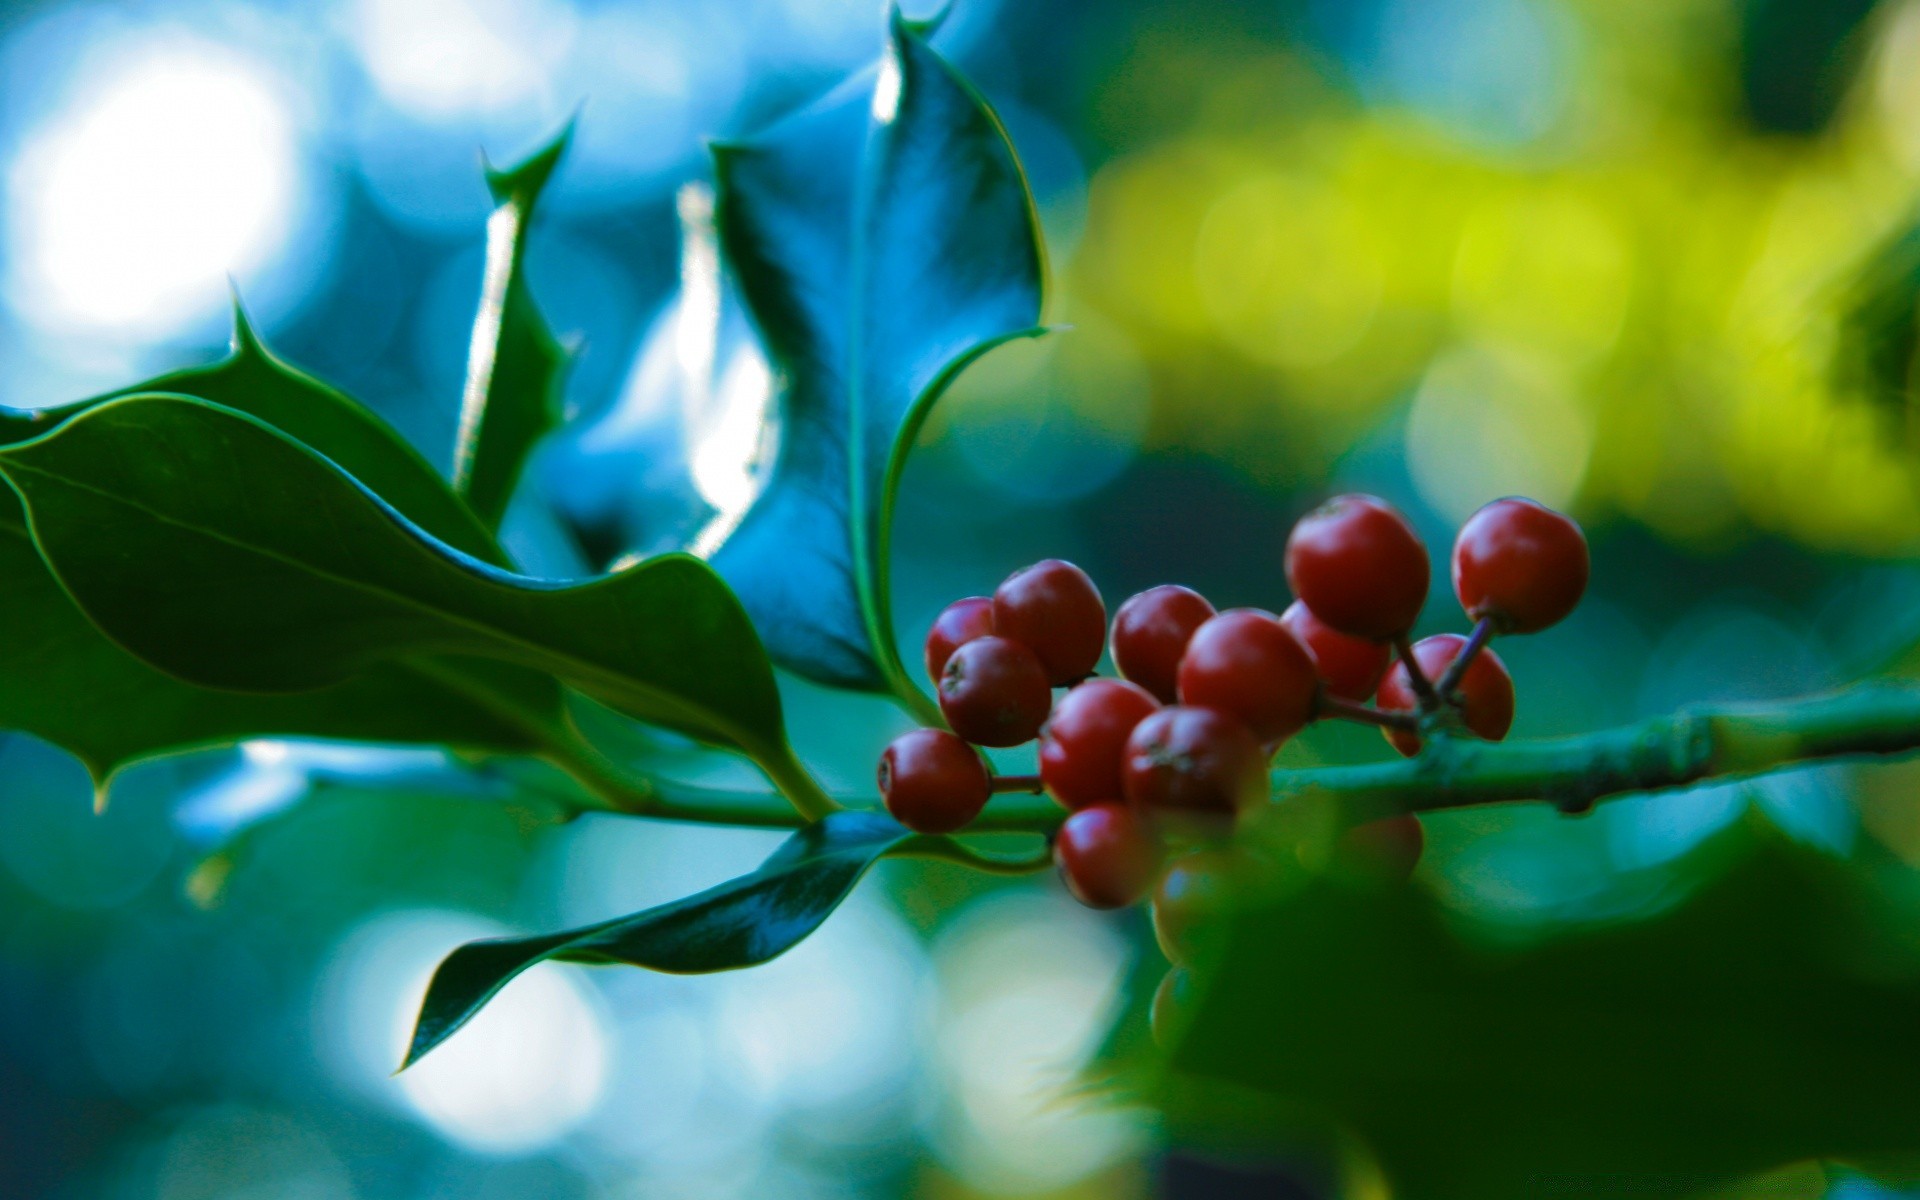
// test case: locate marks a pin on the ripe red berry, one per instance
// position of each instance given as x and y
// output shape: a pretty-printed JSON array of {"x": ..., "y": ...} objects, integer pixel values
[
  {"x": 994, "y": 692},
  {"x": 1350, "y": 667},
  {"x": 1521, "y": 564},
  {"x": 1195, "y": 761},
  {"x": 1389, "y": 847},
  {"x": 932, "y": 781},
  {"x": 1108, "y": 854},
  {"x": 958, "y": 623},
  {"x": 1085, "y": 738},
  {"x": 1486, "y": 692},
  {"x": 1054, "y": 610},
  {"x": 1150, "y": 633},
  {"x": 1356, "y": 562},
  {"x": 1245, "y": 663}
]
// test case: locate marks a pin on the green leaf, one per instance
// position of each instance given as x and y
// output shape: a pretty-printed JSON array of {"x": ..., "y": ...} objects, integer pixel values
[
  {"x": 229, "y": 555},
  {"x": 882, "y": 239},
  {"x": 741, "y": 923},
  {"x": 254, "y": 381},
  {"x": 514, "y": 365},
  {"x": 1766, "y": 1020},
  {"x": 64, "y": 681}
]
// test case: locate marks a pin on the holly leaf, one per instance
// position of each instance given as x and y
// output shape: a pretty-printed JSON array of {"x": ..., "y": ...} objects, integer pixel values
[
  {"x": 62, "y": 680},
  {"x": 1766, "y": 1020},
  {"x": 514, "y": 365},
  {"x": 882, "y": 239},
  {"x": 254, "y": 381},
  {"x": 740, "y": 923},
  {"x": 231, "y": 556}
]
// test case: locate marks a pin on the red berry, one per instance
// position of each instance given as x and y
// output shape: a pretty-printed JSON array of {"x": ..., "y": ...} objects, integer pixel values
[
  {"x": 1486, "y": 693},
  {"x": 1054, "y": 610},
  {"x": 994, "y": 692},
  {"x": 1085, "y": 738},
  {"x": 1521, "y": 564},
  {"x": 1350, "y": 667},
  {"x": 1356, "y": 562},
  {"x": 1108, "y": 854},
  {"x": 1389, "y": 847},
  {"x": 1193, "y": 760},
  {"x": 1150, "y": 633},
  {"x": 958, "y": 623},
  {"x": 932, "y": 781},
  {"x": 1245, "y": 663}
]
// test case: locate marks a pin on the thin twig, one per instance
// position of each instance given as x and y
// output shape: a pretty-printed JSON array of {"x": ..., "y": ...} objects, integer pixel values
[
  {"x": 1457, "y": 669},
  {"x": 1422, "y": 687},
  {"x": 1347, "y": 710}
]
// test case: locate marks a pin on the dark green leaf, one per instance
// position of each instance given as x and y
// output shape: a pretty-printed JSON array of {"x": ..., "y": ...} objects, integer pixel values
[
  {"x": 1768, "y": 1019},
  {"x": 62, "y": 680},
  {"x": 229, "y": 555},
  {"x": 741, "y": 923},
  {"x": 882, "y": 239},
  {"x": 252, "y": 380},
  {"x": 512, "y": 396}
]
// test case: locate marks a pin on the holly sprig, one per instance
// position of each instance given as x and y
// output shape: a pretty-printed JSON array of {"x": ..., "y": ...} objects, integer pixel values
[{"x": 240, "y": 550}]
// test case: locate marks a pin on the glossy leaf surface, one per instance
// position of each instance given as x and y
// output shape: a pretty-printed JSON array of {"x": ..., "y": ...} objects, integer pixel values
[
  {"x": 274, "y": 571},
  {"x": 740, "y": 923},
  {"x": 61, "y": 679},
  {"x": 1766, "y": 1020},
  {"x": 514, "y": 365},
  {"x": 880, "y": 239},
  {"x": 254, "y": 381}
]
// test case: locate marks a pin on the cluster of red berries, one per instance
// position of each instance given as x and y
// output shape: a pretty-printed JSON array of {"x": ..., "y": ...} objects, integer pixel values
[{"x": 1206, "y": 697}]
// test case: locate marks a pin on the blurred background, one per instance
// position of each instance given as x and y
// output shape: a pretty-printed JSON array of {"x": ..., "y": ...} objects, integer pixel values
[{"x": 1652, "y": 261}]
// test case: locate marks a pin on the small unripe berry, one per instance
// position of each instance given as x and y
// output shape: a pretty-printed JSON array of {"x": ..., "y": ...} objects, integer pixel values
[
  {"x": 1150, "y": 633},
  {"x": 1086, "y": 737},
  {"x": 1520, "y": 564},
  {"x": 1193, "y": 761},
  {"x": 1108, "y": 854},
  {"x": 958, "y": 623},
  {"x": 1389, "y": 847},
  {"x": 1246, "y": 664},
  {"x": 1356, "y": 562},
  {"x": 994, "y": 692},
  {"x": 1198, "y": 893},
  {"x": 1172, "y": 1004},
  {"x": 1486, "y": 692},
  {"x": 1054, "y": 610},
  {"x": 1350, "y": 667},
  {"x": 932, "y": 782}
]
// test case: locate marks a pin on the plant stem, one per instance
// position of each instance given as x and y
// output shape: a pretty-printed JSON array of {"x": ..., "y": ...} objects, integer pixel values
[
  {"x": 1347, "y": 710},
  {"x": 1457, "y": 669},
  {"x": 945, "y": 849},
  {"x": 1016, "y": 783},
  {"x": 1875, "y": 718},
  {"x": 1416, "y": 678}
]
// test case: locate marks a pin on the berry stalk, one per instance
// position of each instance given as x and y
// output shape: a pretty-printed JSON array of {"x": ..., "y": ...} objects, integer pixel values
[
  {"x": 1422, "y": 686},
  {"x": 1347, "y": 710},
  {"x": 1449, "y": 681}
]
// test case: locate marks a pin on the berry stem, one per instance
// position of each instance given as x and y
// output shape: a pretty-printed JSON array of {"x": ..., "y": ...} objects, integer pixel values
[
  {"x": 1347, "y": 710},
  {"x": 1422, "y": 686},
  {"x": 1457, "y": 669},
  {"x": 1016, "y": 783}
]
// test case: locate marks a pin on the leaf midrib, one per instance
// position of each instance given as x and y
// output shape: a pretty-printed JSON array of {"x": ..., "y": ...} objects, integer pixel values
[{"x": 586, "y": 670}]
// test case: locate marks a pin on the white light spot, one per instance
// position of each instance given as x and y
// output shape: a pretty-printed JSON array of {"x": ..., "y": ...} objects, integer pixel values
[
  {"x": 131, "y": 210},
  {"x": 521, "y": 1075},
  {"x": 1029, "y": 984},
  {"x": 886, "y": 90},
  {"x": 440, "y": 59}
]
